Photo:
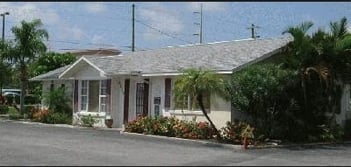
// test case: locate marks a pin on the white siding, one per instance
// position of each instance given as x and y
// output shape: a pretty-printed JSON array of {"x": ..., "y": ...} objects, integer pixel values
[
  {"x": 220, "y": 109},
  {"x": 88, "y": 73}
]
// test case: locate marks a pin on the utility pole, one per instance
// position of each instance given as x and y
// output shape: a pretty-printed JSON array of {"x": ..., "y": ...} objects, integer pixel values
[
  {"x": 199, "y": 34},
  {"x": 253, "y": 33},
  {"x": 133, "y": 28}
]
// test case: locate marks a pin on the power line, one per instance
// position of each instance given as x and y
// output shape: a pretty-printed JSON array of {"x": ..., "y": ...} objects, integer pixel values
[{"x": 161, "y": 31}]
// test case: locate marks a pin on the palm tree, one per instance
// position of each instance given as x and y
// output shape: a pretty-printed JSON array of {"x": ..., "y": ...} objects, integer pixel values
[
  {"x": 26, "y": 46},
  {"x": 324, "y": 54},
  {"x": 198, "y": 83},
  {"x": 299, "y": 51}
]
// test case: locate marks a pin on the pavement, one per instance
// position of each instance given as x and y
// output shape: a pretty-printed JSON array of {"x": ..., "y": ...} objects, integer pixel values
[{"x": 205, "y": 142}]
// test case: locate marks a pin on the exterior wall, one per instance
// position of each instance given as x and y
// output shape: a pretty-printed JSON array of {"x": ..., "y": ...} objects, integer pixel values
[
  {"x": 220, "y": 110},
  {"x": 345, "y": 112},
  {"x": 220, "y": 113},
  {"x": 87, "y": 72},
  {"x": 117, "y": 101}
]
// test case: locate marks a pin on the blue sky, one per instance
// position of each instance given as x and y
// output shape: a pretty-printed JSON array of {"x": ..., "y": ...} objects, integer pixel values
[{"x": 91, "y": 25}]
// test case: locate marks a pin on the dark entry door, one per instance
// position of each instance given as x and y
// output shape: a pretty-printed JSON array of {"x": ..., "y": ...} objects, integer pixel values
[{"x": 126, "y": 100}]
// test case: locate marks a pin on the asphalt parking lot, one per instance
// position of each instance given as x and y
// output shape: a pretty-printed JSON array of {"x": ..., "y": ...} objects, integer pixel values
[{"x": 26, "y": 144}]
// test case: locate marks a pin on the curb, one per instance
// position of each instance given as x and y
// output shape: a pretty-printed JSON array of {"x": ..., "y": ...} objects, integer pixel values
[
  {"x": 236, "y": 146},
  {"x": 60, "y": 125},
  {"x": 209, "y": 143}
]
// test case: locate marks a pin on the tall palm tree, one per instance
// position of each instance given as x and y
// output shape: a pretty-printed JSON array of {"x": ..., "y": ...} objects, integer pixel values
[
  {"x": 26, "y": 46},
  {"x": 299, "y": 51},
  {"x": 195, "y": 84},
  {"x": 323, "y": 54}
]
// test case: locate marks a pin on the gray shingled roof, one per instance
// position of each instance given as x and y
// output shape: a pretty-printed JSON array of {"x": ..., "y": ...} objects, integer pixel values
[
  {"x": 221, "y": 56},
  {"x": 51, "y": 75}
]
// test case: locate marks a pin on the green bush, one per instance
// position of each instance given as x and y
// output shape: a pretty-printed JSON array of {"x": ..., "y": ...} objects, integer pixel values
[
  {"x": 234, "y": 132},
  {"x": 28, "y": 110},
  {"x": 88, "y": 121},
  {"x": 4, "y": 109},
  {"x": 14, "y": 114},
  {"x": 58, "y": 101},
  {"x": 58, "y": 118}
]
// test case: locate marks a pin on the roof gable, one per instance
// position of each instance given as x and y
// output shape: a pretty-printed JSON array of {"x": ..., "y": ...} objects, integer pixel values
[{"x": 75, "y": 70}]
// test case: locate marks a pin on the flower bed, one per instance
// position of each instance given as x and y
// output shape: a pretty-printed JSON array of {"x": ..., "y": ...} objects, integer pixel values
[{"x": 233, "y": 133}]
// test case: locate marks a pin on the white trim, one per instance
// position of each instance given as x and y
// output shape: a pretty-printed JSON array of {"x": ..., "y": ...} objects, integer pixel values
[
  {"x": 75, "y": 63},
  {"x": 80, "y": 96},
  {"x": 69, "y": 68},
  {"x": 185, "y": 112},
  {"x": 100, "y": 96},
  {"x": 94, "y": 114}
]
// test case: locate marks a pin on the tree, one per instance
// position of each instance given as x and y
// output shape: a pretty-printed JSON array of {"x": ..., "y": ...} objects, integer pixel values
[
  {"x": 259, "y": 92},
  {"x": 50, "y": 61},
  {"x": 26, "y": 46},
  {"x": 323, "y": 61},
  {"x": 195, "y": 83},
  {"x": 47, "y": 62}
]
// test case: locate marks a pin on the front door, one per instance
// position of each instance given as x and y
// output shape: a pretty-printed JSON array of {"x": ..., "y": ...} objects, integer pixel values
[{"x": 126, "y": 100}]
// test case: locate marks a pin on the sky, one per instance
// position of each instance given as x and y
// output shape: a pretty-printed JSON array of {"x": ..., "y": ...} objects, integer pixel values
[{"x": 93, "y": 25}]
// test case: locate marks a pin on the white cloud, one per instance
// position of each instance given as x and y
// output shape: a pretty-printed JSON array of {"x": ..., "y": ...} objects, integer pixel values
[
  {"x": 95, "y": 7},
  {"x": 72, "y": 33},
  {"x": 58, "y": 28},
  {"x": 207, "y": 6},
  {"x": 97, "y": 39},
  {"x": 161, "y": 19},
  {"x": 349, "y": 28}
]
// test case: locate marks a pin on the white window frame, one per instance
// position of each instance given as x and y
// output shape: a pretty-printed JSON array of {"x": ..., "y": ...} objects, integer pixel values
[
  {"x": 80, "y": 95},
  {"x": 102, "y": 95}
]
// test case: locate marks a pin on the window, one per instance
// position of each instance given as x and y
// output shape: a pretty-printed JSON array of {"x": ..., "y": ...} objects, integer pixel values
[
  {"x": 103, "y": 96},
  {"x": 168, "y": 93},
  {"x": 190, "y": 103},
  {"x": 139, "y": 98},
  {"x": 84, "y": 95}
]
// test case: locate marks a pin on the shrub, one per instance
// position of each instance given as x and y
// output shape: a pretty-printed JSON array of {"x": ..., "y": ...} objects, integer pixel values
[
  {"x": 332, "y": 133},
  {"x": 14, "y": 114},
  {"x": 234, "y": 132},
  {"x": 4, "y": 109},
  {"x": 88, "y": 121},
  {"x": 58, "y": 101},
  {"x": 170, "y": 126},
  {"x": 57, "y": 118},
  {"x": 28, "y": 110},
  {"x": 39, "y": 115}
]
